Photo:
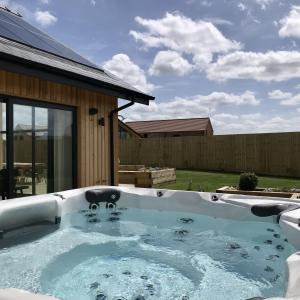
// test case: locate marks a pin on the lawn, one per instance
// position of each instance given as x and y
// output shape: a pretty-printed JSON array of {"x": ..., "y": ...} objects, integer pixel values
[{"x": 210, "y": 181}]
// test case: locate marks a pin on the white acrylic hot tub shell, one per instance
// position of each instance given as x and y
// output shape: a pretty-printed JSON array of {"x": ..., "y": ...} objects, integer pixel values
[
  {"x": 19, "y": 212},
  {"x": 16, "y": 213}
]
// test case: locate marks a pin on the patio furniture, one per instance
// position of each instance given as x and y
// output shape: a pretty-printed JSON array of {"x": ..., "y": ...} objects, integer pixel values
[{"x": 18, "y": 190}]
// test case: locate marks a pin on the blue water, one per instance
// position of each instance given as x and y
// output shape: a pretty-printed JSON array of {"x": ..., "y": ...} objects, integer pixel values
[{"x": 148, "y": 254}]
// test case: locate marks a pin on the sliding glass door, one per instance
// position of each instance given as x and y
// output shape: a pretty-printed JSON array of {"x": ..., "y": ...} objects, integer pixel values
[
  {"x": 41, "y": 146},
  {"x": 3, "y": 161}
]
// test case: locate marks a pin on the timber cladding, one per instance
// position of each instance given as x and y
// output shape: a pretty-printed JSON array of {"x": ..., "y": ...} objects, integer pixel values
[
  {"x": 275, "y": 154},
  {"x": 93, "y": 154}
]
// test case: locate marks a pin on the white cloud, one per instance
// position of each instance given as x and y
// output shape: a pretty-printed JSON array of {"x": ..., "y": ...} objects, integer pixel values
[
  {"x": 279, "y": 95},
  {"x": 170, "y": 62},
  {"x": 218, "y": 21},
  {"x": 45, "y": 1},
  {"x": 286, "y": 98},
  {"x": 290, "y": 25},
  {"x": 176, "y": 32},
  {"x": 122, "y": 66},
  {"x": 45, "y": 18},
  {"x": 254, "y": 123},
  {"x": 293, "y": 101},
  {"x": 264, "y": 3},
  {"x": 269, "y": 66},
  {"x": 206, "y": 3},
  {"x": 223, "y": 117},
  {"x": 242, "y": 6},
  {"x": 93, "y": 2},
  {"x": 194, "y": 106}
]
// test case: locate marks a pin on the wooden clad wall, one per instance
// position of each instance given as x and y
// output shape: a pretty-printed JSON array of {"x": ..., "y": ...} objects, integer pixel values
[
  {"x": 275, "y": 154},
  {"x": 93, "y": 140}
]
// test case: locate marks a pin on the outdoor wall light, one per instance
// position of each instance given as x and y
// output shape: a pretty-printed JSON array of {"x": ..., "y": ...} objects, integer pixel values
[
  {"x": 93, "y": 111},
  {"x": 101, "y": 121}
]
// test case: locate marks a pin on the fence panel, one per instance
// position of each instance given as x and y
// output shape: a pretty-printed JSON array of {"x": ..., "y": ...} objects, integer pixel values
[{"x": 275, "y": 154}]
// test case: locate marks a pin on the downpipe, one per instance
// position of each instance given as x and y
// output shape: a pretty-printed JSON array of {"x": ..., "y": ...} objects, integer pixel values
[{"x": 112, "y": 143}]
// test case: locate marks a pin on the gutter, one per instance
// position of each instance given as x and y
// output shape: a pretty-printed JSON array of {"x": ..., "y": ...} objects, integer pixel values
[{"x": 111, "y": 135}]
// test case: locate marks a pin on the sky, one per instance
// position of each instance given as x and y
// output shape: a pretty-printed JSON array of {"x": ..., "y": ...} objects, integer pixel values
[{"x": 235, "y": 61}]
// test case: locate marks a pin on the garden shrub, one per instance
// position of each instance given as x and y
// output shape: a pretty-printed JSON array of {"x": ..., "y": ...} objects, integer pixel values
[{"x": 248, "y": 181}]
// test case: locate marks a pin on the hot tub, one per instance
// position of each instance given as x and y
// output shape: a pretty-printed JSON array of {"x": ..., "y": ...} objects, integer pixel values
[{"x": 127, "y": 243}]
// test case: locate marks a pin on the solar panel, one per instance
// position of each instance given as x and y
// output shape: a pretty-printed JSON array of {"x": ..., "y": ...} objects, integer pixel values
[{"x": 15, "y": 28}]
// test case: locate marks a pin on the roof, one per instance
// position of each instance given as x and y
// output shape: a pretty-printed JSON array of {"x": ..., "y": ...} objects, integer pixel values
[
  {"x": 25, "y": 127},
  {"x": 129, "y": 129},
  {"x": 168, "y": 126},
  {"x": 22, "y": 43}
]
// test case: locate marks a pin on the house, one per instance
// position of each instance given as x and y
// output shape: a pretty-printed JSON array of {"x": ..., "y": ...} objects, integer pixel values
[
  {"x": 173, "y": 127},
  {"x": 67, "y": 108}
]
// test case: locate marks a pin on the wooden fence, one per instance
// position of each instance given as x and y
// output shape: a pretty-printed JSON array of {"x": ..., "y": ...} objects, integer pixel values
[{"x": 275, "y": 154}]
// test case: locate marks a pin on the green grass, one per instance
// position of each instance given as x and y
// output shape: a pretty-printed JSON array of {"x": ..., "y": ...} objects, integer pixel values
[{"x": 210, "y": 181}]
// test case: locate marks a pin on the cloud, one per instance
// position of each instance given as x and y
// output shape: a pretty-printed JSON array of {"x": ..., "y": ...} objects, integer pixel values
[
  {"x": 189, "y": 107},
  {"x": 290, "y": 25},
  {"x": 45, "y": 1},
  {"x": 264, "y": 3},
  {"x": 93, "y": 2},
  {"x": 279, "y": 95},
  {"x": 286, "y": 98},
  {"x": 242, "y": 6},
  {"x": 253, "y": 123},
  {"x": 178, "y": 33},
  {"x": 44, "y": 18},
  {"x": 269, "y": 66},
  {"x": 294, "y": 101},
  {"x": 206, "y": 3},
  {"x": 122, "y": 66},
  {"x": 170, "y": 62},
  {"x": 218, "y": 21}
]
